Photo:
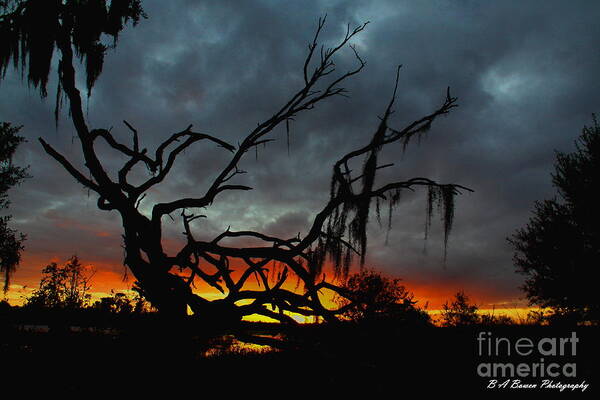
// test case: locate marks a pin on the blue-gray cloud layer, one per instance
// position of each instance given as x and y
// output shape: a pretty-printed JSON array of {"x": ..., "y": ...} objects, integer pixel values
[{"x": 525, "y": 74}]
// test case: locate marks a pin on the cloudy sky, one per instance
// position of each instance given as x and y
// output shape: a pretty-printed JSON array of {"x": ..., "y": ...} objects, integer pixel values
[{"x": 525, "y": 74}]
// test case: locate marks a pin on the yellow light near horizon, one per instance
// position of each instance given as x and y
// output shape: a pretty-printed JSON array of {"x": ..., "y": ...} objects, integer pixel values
[
  {"x": 104, "y": 280},
  {"x": 517, "y": 314}
]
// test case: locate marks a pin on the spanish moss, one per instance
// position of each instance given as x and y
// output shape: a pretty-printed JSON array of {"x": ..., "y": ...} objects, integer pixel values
[
  {"x": 443, "y": 197},
  {"x": 393, "y": 201},
  {"x": 32, "y": 29}
]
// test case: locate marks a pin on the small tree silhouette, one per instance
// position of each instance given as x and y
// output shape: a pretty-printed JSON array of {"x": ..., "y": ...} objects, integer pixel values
[
  {"x": 62, "y": 287},
  {"x": 459, "y": 312}
]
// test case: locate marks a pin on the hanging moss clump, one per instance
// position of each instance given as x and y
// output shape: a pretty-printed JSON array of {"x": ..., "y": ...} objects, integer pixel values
[{"x": 30, "y": 30}]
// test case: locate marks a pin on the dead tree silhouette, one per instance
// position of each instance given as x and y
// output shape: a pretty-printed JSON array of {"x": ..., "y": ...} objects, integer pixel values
[{"x": 338, "y": 231}]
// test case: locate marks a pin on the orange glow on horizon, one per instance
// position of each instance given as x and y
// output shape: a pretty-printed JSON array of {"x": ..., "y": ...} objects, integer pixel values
[{"x": 109, "y": 276}]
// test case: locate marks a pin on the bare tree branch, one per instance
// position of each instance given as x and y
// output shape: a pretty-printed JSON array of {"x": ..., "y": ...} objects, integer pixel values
[{"x": 69, "y": 167}]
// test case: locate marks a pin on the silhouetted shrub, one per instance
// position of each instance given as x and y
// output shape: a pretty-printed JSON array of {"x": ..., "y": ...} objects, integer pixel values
[
  {"x": 377, "y": 298},
  {"x": 122, "y": 304},
  {"x": 459, "y": 312}
]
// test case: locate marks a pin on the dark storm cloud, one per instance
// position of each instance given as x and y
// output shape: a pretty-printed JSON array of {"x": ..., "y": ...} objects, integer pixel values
[{"x": 524, "y": 72}]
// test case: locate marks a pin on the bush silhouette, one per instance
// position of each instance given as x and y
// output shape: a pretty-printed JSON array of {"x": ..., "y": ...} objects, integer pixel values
[
  {"x": 375, "y": 297},
  {"x": 459, "y": 312}
]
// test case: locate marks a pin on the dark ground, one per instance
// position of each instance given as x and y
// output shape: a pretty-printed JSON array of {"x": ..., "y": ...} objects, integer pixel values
[{"x": 376, "y": 360}]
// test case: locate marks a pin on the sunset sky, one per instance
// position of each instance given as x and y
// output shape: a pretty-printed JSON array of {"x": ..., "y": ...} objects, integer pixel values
[{"x": 526, "y": 78}]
